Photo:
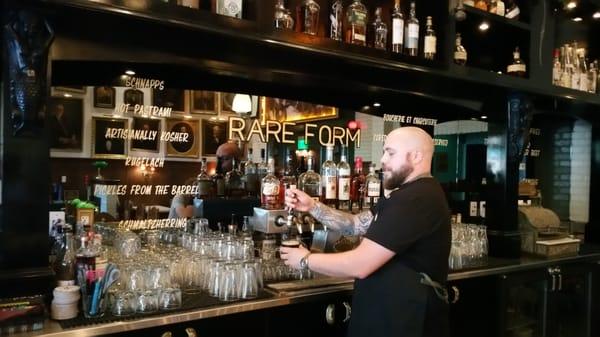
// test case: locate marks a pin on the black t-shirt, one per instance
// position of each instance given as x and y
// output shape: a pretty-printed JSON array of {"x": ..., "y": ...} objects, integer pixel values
[{"x": 414, "y": 222}]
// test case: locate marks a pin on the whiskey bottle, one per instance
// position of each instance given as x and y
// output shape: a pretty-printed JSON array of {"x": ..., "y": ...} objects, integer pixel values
[
  {"x": 270, "y": 188},
  {"x": 288, "y": 179},
  {"x": 251, "y": 181},
  {"x": 430, "y": 43},
  {"x": 481, "y": 4},
  {"x": 307, "y": 17},
  {"x": 329, "y": 178},
  {"x": 556, "y": 68},
  {"x": 234, "y": 182},
  {"x": 356, "y": 23},
  {"x": 518, "y": 67},
  {"x": 373, "y": 186},
  {"x": 261, "y": 168},
  {"x": 460, "y": 53},
  {"x": 204, "y": 183},
  {"x": 310, "y": 181},
  {"x": 283, "y": 19},
  {"x": 219, "y": 179},
  {"x": 343, "y": 170},
  {"x": 357, "y": 186},
  {"x": 336, "y": 17},
  {"x": 397, "y": 28},
  {"x": 412, "y": 32},
  {"x": 380, "y": 31},
  {"x": 65, "y": 266}
]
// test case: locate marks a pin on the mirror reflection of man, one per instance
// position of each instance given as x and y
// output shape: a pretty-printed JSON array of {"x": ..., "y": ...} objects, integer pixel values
[
  {"x": 62, "y": 134},
  {"x": 214, "y": 139}
]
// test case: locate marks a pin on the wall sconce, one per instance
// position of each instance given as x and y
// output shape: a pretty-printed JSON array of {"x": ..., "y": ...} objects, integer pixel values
[
  {"x": 242, "y": 104},
  {"x": 147, "y": 172}
]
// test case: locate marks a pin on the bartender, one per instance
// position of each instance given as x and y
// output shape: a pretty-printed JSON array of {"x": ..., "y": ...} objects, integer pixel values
[
  {"x": 182, "y": 205},
  {"x": 401, "y": 264}
]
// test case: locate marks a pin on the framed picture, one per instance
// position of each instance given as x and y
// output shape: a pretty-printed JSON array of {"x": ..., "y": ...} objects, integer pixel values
[
  {"x": 146, "y": 124},
  {"x": 226, "y": 102},
  {"x": 214, "y": 133},
  {"x": 65, "y": 122},
  {"x": 102, "y": 147},
  {"x": 204, "y": 102},
  {"x": 104, "y": 97},
  {"x": 133, "y": 97},
  {"x": 188, "y": 145},
  {"x": 75, "y": 89},
  {"x": 285, "y": 110},
  {"x": 170, "y": 98}
]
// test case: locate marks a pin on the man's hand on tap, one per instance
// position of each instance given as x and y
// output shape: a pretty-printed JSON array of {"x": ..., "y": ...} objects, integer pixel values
[{"x": 298, "y": 200}]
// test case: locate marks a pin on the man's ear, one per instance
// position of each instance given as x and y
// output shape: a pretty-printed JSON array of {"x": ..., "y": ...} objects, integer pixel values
[{"x": 417, "y": 157}]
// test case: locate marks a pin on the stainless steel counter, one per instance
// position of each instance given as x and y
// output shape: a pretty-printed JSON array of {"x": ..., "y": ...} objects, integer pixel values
[{"x": 291, "y": 293}]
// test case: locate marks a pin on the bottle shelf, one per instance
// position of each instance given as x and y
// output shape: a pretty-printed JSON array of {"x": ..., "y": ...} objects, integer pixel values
[{"x": 496, "y": 19}]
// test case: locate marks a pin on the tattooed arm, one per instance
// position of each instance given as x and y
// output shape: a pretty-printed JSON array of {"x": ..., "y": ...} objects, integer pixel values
[{"x": 354, "y": 224}]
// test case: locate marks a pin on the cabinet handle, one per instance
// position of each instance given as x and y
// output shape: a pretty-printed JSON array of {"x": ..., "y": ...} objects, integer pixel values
[
  {"x": 553, "y": 282},
  {"x": 559, "y": 282},
  {"x": 456, "y": 294},
  {"x": 330, "y": 314},
  {"x": 348, "y": 311}
]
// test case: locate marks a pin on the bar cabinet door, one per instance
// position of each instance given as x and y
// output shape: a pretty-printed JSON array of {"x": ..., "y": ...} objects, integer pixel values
[
  {"x": 472, "y": 302},
  {"x": 570, "y": 301},
  {"x": 595, "y": 323},
  {"x": 523, "y": 299}
]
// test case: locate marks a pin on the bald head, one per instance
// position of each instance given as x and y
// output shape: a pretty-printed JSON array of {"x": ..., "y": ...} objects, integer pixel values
[
  {"x": 227, "y": 152},
  {"x": 407, "y": 153}
]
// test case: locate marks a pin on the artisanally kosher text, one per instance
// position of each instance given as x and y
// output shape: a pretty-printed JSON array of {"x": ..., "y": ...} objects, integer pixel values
[{"x": 168, "y": 136}]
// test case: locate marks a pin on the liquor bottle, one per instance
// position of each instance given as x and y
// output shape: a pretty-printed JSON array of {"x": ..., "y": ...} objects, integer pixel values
[
  {"x": 336, "y": 17},
  {"x": 357, "y": 186},
  {"x": 283, "y": 19},
  {"x": 565, "y": 79},
  {"x": 251, "y": 181},
  {"x": 231, "y": 8},
  {"x": 380, "y": 31},
  {"x": 576, "y": 74},
  {"x": 412, "y": 32},
  {"x": 481, "y": 4},
  {"x": 329, "y": 179},
  {"x": 65, "y": 266},
  {"x": 593, "y": 77},
  {"x": 343, "y": 183},
  {"x": 234, "y": 182},
  {"x": 301, "y": 168},
  {"x": 204, "y": 183},
  {"x": 512, "y": 10},
  {"x": 397, "y": 28},
  {"x": 556, "y": 68},
  {"x": 373, "y": 186},
  {"x": 261, "y": 168},
  {"x": 518, "y": 67},
  {"x": 430, "y": 43},
  {"x": 583, "y": 77},
  {"x": 219, "y": 179},
  {"x": 460, "y": 53},
  {"x": 356, "y": 23},
  {"x": 270, "y": 188},
  {"x": 500, "y": 8},
  {"x": 288, "y": 178},
  {"x": 310, "y": 181},
  {"x": 307, "y": 17}
]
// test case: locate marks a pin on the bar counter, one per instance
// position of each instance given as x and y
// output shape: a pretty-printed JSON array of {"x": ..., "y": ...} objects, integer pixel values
[{"x": 295, "y": 292}]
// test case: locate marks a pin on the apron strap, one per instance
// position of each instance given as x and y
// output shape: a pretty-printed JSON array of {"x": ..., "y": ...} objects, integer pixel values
[{"x": 440, "y": 291}]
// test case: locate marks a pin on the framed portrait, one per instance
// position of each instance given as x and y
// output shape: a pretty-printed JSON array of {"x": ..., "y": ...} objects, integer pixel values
[
  {"x": 226, "y": 102},
  {"x": 65, "y": 122},
  {"x": 285, "y": 110},
  {"x": 103, "y": 147},
  {"x": 133, "y": 97},
  {"x": 204, "y": 102},
  {"x": 150, "y": 125},
  {"x": 214, "y": 133},
  {"x": 104, "y": 97},
  {"x": 187, "y": 142},
  {"x": 74, "y": 89},
  {"x": 170, "y": 98}
]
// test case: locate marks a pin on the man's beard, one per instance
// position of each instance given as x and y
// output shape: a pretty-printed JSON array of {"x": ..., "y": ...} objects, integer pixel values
[{"x": 398, "y": 177}]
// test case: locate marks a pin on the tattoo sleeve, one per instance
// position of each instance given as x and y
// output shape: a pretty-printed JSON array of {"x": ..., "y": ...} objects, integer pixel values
[{"x": 353, "y": 224}]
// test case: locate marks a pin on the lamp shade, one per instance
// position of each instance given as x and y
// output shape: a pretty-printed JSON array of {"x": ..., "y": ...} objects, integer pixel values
[{"x": 241, "y": 103}]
